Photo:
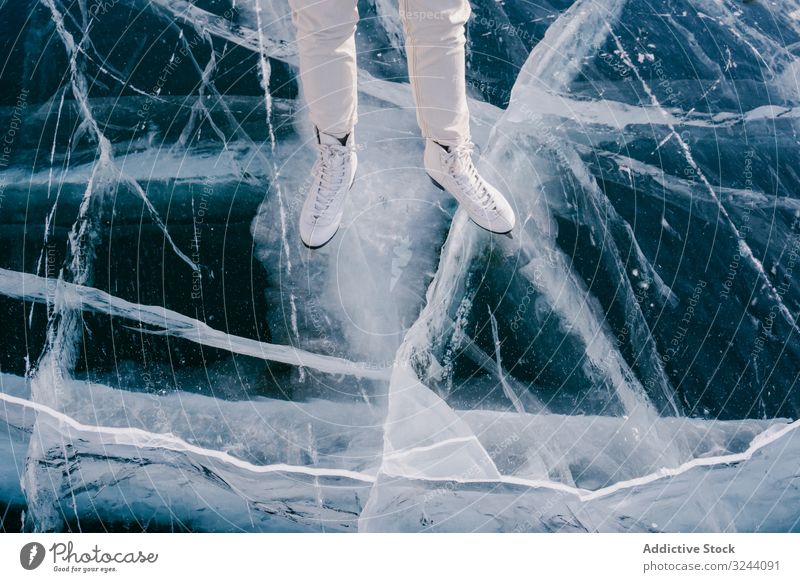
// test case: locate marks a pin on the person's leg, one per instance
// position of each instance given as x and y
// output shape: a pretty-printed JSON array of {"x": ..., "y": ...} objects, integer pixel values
[
  {"x": 436, "y": 66},
  {"x": 327, "y": 50},
  {"x": 434, "y": 31}
]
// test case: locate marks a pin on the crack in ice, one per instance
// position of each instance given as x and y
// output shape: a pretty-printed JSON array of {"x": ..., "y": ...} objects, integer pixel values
[
  {"x": 30, "y": 287},
  {"x": 141, "y": 438},
  {"x": 138, "y": 437}
]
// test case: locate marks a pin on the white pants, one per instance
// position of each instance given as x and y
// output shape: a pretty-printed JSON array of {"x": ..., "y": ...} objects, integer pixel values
[{"x": 434, "y": 34}]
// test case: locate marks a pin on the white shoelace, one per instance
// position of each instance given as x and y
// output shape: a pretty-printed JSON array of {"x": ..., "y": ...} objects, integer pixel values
[
  {"x": 331, "y": 168},
  {"x": 468, "y": 179}
]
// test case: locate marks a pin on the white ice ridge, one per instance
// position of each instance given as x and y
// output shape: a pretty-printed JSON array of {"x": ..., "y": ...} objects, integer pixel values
[
  {"x": 683, "y": 194},
  {"x": 141, "y": 438},
  {"x": 30, "y": 287},
  {"x": 224, "y": 28},
  {"x": 138, "y": 437},
  {"x": 557, "y": 59},
  {"x": 761, "y": 440},
  {"x": 618, "y": 115}
]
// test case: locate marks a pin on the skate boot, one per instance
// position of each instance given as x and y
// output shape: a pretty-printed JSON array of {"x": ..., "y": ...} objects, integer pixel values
[
  {"x": 452, "y": 170},
  {"x": 333, "y": 175}
]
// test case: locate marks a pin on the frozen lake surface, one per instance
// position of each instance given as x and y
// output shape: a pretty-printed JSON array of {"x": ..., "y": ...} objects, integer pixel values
[{"x": 172, "y": 358}]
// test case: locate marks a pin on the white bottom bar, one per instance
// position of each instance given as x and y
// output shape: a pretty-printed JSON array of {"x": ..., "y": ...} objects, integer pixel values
[{"x": 451, "y": 557}]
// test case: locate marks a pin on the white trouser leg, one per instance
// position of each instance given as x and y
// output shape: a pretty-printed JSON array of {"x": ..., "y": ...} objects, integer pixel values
[
  {"x": 327, "y": 49},
  {"x": 435, "y": 41}
]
